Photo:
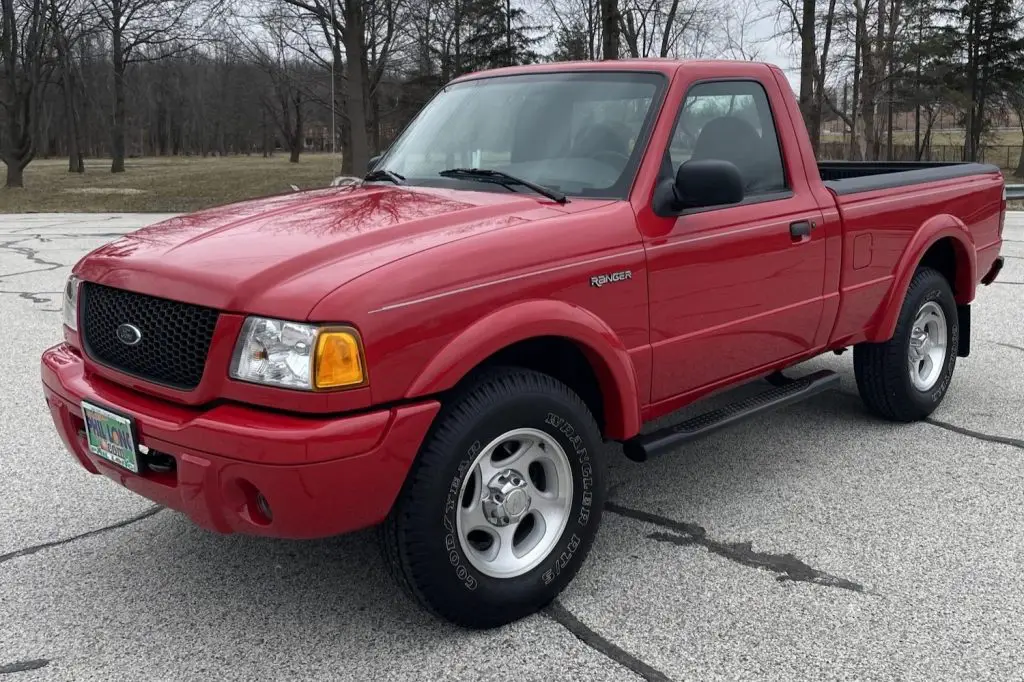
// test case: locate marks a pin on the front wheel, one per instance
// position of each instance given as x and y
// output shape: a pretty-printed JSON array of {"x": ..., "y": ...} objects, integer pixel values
[
  {"x": 906, "y": 377},
  {"x": 503, "y": 502}
]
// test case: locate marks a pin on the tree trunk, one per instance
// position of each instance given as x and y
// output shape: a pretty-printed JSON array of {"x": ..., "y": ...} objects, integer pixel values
[
  {"x": 610, "y": 19},
  {"x": 15, "y": 176},
  {"x": 356, "y": 162},
  {"x": 264, "y": 134},
  {"x": 818, "y": 104},
  {"x": 71, "y": 117},
  {"x": 972, "y": 121},
  {"x": 870, "y": 79},
  {"x": 666, "y": 32},
  {"x": 807, "y": 58},
  {"x": 889, "y": 122},
  {"x": 297, "y": 136},
  {"x": 855, "y": 94},
  {"x": 117, "y": 131},
  {"x": 20, "y": 83},
  {"x": 378, "y": 145}
]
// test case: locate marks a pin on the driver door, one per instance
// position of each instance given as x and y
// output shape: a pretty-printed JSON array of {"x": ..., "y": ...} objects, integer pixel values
[{"x": 733, "y": 288}]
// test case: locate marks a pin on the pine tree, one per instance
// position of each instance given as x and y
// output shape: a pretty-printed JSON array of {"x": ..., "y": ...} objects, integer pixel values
[
  {"x": 570, "y": 43},
  {"x": 497, "y": 35},
  {"x": 985, "y": 41}
]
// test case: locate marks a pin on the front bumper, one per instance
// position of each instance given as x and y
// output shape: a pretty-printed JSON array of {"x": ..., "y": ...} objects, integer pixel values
[{"x": 320, "y": 476}]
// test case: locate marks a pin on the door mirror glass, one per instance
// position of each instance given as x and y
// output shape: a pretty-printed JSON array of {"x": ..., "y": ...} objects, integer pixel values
[
  {"x": 373, "y": 162},
  {"x": 699, "y": 184}
]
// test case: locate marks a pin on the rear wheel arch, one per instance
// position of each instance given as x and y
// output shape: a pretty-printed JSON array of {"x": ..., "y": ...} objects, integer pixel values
[
  {"x": 555, "y": 338},
  {"x": 944, "y": 244}
]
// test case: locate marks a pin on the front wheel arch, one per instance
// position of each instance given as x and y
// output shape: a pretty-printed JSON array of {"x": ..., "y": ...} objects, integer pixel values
[{"x": 527, "y": 321}]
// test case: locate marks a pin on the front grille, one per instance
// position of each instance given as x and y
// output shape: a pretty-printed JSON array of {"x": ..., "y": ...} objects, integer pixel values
[{"x": 175, "y": 337}]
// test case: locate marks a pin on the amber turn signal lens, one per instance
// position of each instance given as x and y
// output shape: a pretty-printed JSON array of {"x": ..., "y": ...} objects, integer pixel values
[{"x": 337, "y": 360}]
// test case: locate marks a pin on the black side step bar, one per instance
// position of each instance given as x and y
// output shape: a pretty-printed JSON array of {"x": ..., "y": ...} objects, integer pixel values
[{"x": 784, "y": 392}]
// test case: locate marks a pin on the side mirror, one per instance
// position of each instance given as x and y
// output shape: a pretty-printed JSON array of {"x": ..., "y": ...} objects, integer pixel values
[
  {"x": 373, "y": 162},
  {"x": 699, "y": 184}
]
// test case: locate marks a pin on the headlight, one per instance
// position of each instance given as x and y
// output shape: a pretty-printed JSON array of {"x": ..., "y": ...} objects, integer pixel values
[
  {"x": 297, "y": 355},
  {"x": 71, "y": 303}
]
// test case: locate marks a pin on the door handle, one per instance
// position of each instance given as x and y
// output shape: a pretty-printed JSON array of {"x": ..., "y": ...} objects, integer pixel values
[{"x": 801, "y": 229}]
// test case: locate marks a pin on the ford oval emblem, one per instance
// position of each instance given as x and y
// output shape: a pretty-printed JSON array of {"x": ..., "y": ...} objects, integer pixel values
[{"x": 129, "y": 334}]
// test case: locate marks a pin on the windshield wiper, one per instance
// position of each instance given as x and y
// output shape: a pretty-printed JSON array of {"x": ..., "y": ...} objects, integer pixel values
[
  {"x": 382, "y": 174},
  {"x": 502, "y": 178}
]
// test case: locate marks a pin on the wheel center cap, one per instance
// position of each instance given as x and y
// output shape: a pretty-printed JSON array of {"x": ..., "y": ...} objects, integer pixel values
[
  {"x": 506, "y": 500},
  {"x": 517, "y": 502}
]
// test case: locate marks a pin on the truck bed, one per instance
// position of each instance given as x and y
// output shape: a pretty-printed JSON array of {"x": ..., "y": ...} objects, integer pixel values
[{"x": 851, "y": 177}]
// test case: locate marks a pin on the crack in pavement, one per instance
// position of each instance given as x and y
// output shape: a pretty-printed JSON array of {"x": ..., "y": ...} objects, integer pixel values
[
  {"x": 33, "y": 256},
  {"x": 29, "y": 253},
  {"x": 66, "y": 220},
  {"x": 36, "y": 297},
  {"x": 1009, "y": 345},
  {"x": 48, "y": 236},
  {"x": 561, "y": 615},
  {"x": 22, "y": 666},
  {"x": 1004, "y": 440},
  {"x": 81, "y": 536},
  {"x": 787, "y": 566},
  {"x": 962, "y": 430}
]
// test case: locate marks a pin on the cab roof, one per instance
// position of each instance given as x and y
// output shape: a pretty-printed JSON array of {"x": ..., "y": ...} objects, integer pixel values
[{"x": 658, "y": 65}]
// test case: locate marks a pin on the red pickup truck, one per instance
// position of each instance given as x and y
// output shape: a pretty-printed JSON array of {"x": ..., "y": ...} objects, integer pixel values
[{"x": 546, "y": 259}]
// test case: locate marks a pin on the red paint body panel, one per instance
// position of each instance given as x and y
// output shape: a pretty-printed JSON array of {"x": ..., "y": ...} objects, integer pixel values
[
  {"x": 321, "y": 477},
  {"x": 438, "y": 280}
]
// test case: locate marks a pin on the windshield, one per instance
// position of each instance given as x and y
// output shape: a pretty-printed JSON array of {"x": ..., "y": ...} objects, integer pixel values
[{"x": 578, "y": 133}]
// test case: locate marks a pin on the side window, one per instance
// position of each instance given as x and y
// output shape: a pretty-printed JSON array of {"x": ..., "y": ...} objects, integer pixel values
[{"x": 731, "y": 121}]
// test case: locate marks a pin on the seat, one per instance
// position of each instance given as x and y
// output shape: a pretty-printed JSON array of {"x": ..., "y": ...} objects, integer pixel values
[
  {"x": 600, "y": 137},
  {"x": 732, "y": 139}
]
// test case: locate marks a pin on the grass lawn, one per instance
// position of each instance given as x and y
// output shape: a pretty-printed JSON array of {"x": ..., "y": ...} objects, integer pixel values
[
  {"x": 1001, "y": 137},
  {"x": 162, "y": 184}
]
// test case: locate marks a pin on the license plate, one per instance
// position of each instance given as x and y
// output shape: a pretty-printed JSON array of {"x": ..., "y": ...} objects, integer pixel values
[{"x": 110, "y": 436}]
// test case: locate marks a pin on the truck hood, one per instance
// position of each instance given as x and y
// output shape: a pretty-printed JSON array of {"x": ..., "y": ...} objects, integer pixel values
[{"x": 280, "y": 255}]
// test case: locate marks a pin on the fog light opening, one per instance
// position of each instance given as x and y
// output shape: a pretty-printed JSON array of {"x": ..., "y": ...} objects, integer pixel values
[
  {"x": 264, "y": 507},
  {"x": 253, "y": 506}
]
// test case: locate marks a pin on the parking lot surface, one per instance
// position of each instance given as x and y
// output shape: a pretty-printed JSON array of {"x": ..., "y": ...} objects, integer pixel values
[{"x": 816, "y": 542}]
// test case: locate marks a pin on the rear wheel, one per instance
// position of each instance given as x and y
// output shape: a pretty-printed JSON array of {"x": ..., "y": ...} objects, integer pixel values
[
  {"x": 503, "y": 502},
  {"x": 906, "y": 377}
]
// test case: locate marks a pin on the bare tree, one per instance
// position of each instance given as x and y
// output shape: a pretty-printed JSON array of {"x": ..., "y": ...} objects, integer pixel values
[
  {"x": 572, "y": 17},
  {"x": 25, "y": 52},
  {"x": 668, "y": 28},
  {"x": 821, "y": 68},
  {"x": 142, "y": 30},
  {"x": 798, "y": 19},
  {"x": 71, "y": 22},
  {"x": 736, "y": 28},
  {"x": 342, "y": 26},
  {"x": 269, "y": 49}
]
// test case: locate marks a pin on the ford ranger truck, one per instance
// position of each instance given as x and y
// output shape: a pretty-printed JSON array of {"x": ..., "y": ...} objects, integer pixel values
[{"x": 545, "y": 260}]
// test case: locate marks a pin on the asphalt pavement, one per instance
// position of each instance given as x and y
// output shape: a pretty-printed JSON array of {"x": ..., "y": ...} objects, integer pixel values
[{"x": 814, "y": 543}]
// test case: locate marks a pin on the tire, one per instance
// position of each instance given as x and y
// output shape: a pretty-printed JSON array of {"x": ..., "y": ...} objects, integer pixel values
[
  {"x": 884, "y": 374},
  {"x": 462, "y": 575}
]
